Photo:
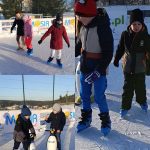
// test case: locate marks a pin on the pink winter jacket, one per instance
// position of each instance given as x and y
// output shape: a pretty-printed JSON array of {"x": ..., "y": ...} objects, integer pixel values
[{"x": 28, "y": 31}]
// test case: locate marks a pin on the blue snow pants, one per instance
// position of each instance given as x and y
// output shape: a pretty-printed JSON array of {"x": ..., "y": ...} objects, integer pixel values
[{"x": 100, "y": 86}]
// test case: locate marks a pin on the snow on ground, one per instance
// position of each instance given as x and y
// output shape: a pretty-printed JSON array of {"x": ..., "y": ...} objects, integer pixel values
[
  {"x": 67, "y": 137},
  {"x": 16, "y": 62},
  {"x": 130, "y": 134}
]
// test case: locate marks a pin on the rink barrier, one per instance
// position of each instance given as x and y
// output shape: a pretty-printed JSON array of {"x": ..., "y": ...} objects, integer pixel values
[
  {"x": 39, "y": 25},
  {"x": 8, "y": 118},
  {"x": 119, "y": 20}
]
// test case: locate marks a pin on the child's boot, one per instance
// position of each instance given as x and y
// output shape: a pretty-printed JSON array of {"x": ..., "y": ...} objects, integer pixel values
[
  {"x": 144, "y": 107},
  {"x": 86, "y": 119},
  {"x": 49, "y": 60},
  {"x": 30, "y": 51},
  {"x": 106, "y": 123},
  {"x": 123, "y": 113},
  {"x": 59, "y": 63}
]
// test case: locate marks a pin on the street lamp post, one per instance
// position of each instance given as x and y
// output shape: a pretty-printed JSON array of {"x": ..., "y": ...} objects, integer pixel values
[
  {"x": 23, "y": 90},
  {"x": 66, "y": 96},
  {"x": 53, "y": 88}
]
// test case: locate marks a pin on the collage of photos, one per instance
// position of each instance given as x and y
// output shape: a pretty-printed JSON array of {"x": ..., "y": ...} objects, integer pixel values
[{"x": 74, "y": 75}]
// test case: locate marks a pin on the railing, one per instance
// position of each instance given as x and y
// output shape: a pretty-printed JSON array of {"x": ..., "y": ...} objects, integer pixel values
[{"x": 39, "y": 25}]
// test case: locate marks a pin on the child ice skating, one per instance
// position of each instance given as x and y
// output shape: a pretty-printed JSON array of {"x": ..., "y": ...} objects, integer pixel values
[
  {"x": 95, "y": 41},
  {"x": 57, "y": 31},
  {"x": 20, "y": 30},
  {"x": 134, "y": 48},
  {"x": 28, "y": 34},
  {"x": 21, "y": 130},
  {"x": 57, "y": 119}
]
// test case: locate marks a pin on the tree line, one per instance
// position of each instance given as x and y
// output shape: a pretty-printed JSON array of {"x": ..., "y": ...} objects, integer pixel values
[
  {"x": 67, "y": 99},
  {"x": 45, "y": 7}
]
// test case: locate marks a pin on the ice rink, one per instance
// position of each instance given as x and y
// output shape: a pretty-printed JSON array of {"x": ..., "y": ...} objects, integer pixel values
[{"x": 17, "y": 62}]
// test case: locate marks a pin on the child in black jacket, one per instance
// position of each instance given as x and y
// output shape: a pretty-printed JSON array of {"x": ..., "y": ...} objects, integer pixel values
[
  {"x": 20, "y": 30},
  {"x": 22, "y": 127},
  {"x": 134, "y": 48},
  {"x": 58, "y": 120}
]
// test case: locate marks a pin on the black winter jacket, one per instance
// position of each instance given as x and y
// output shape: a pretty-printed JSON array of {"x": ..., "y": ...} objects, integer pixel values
[
  {"x": 22, "y": 127},
  {"x": 57, "y": 121},
  {"x": 20, "y": 26},
  {"x": 133, "y": 48}
]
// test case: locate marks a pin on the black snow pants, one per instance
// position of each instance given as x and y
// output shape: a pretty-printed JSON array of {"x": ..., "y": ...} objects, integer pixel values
[{"x": 133, "y": 83}]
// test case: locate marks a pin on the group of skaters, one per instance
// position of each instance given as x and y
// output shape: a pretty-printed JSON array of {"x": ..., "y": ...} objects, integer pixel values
[
  {"x": 24, "y": 36},
  {"x": 95, "y": 45}
]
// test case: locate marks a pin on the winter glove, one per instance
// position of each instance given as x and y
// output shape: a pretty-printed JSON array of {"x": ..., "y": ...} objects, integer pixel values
[
  {"x": 40, "y": 41},
  {"x": 92, "y": 77},
  {"x": 52, "y": 131},
  {"x": 68, "y": 45},
  {"x": 116, "y": 63}
]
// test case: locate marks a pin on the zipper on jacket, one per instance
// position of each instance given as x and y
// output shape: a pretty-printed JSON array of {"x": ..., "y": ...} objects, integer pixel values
[{"x": 133, "y": 56}]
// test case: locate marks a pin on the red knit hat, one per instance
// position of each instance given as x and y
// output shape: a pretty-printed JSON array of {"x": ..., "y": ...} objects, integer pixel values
[{"x": 86, "y": 8}]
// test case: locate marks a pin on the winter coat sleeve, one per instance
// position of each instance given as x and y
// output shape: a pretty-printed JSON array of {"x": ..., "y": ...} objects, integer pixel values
[
  {"x": 18, "y": 134},
  {"x": 63, "y": 121},
  {"x": 28, "y": 30},
  {"x": 25, "y": 30},
  {"x": 107, "y": 45},
  {"x": 18, "y": 126},
  {"x": 14, "y": 24},
  {"x": 49, "y": 118},
  {"x": 65, "y": 36},
  {"x": 47, "y": 33},
  {"x": 148, "y": 44},
  {"x": 31, "y": 127},
  {"x": 120, "y": 49},
  {"x": 78, "y": 46}
]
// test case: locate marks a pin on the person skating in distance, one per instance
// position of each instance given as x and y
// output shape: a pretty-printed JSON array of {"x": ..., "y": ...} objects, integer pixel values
[
  {"x": 57, "y": 32},
  {"x": 20, "y": 30},
  {"x": 28, "y": 33}
]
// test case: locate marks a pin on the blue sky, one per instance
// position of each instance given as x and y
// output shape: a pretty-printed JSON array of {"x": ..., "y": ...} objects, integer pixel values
[{"x": 37, "y": 87}]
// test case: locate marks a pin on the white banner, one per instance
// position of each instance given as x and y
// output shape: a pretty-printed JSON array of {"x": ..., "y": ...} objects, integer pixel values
[
  {"x": 39, "y": 25},
  {"x": 119, "y": 18},
  {"x": 8, "y": 118}
]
